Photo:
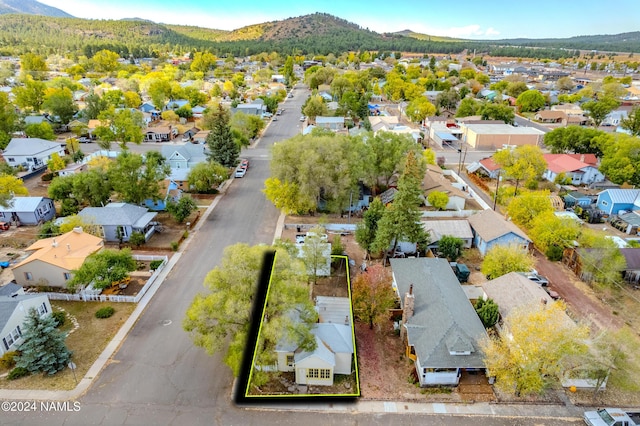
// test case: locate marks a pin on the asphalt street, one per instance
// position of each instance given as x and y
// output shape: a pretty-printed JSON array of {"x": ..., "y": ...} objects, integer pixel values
[{"x": 158, "y": 377}]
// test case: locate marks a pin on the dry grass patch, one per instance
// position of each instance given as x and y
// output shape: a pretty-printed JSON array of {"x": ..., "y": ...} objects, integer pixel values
[{"x": 87, "y": 341}]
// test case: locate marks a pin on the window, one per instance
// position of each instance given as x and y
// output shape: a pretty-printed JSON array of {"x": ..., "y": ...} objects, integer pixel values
[
  {"x": 12, "y": 337},
  {"x": 325, "y": 374},
  {"x": 42, "y": 309},
  {"x": 604, "y": 203},
  {"x": 313, "y": 373},
  {"x": 11, "y": 160},
  {"x": 290, "y": 361},
  {"x": 67, "y": 276},
  {"x": 28, "y": 276}
]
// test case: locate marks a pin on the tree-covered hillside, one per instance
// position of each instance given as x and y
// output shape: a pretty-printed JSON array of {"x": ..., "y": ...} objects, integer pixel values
[{"x": 307, "y": 35}]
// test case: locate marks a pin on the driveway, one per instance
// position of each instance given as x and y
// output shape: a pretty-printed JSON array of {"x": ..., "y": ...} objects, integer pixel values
[{"x": 579, "y": 297}]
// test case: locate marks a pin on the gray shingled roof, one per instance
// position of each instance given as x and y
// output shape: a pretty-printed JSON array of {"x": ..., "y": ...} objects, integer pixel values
[
  {"x": 8, "y": 306},
  {"x": 118, "y": 214},
  {"x": 9, "y": 289},
  {"x": 512, "y": 291},
  {"x": 444, "y": 320},
  {"x": 193, "y": 153},
  {"x": 491, "y": 225},
  {"x": 454, "y": 228}
]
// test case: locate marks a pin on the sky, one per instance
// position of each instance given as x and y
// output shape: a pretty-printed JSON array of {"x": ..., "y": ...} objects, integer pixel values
[{"x": 472, "y": 19}]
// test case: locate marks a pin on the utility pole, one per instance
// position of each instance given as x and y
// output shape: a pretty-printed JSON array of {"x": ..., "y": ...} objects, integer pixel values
[{"x": 495, "y": 197}]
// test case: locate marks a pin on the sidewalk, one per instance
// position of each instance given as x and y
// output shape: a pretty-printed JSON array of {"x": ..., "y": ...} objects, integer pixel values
[{"x": 554, "y": 411}]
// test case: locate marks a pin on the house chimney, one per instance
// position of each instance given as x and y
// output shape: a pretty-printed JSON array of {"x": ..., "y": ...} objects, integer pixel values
[
  {"x": 69, "y": 247},
  {"x": 78, "y": 229},
  {"x": 407, "y": 311},
  {"x": 54, "y": 243}
]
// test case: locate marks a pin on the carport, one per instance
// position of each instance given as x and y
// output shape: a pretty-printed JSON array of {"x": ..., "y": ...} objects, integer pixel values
[{"x": 446, "y": 139}]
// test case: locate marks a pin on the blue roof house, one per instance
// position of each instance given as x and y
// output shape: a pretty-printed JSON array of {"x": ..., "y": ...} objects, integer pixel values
[{"x": 611, "y": 201}]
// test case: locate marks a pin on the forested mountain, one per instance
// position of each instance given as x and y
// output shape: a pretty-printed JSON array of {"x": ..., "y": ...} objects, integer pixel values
[
  {"x": 31, "y": 7},
  {"x": 307, "y": 35},
  {"x": 624, "y": 42}
]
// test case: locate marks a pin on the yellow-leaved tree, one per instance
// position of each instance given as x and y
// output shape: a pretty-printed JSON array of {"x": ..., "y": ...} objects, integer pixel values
[
  {"x": 533, "y": 348},
  {"x": 10, "y": 186},
  {"x": 502, "y": 259},
  {"x": 527, "y": 205}
]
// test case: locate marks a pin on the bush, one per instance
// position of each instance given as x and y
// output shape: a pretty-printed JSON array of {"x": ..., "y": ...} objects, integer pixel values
[
  {"x": 155, "y": 264},
  {"x": 174, "y": 246},
  {"x": 8, "y": 359},
  {"x": 18, "y": 372},
  {"x": 137, "y": 239},
  {"x": 60, "y": 318},
  {"x": 337, "y": 248},
  {"x": 554, "y": 253},
  {"x": 105, "y": 312}
]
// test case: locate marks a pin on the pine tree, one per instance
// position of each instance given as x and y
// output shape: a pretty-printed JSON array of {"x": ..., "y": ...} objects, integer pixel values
[
  {"x": 222, "y": 148},
  {"x": 401, "y": 219},
  {"x": 43, "y": 349}
]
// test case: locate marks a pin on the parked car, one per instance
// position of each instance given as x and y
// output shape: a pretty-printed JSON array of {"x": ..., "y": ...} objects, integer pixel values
[
  {"x": 244, "y": 163},
  {"x": 539, "y": 279},
  {"x": 84, "y": 139},
  {"x": 302, "y": 118},
  {"x": 240, "y": 172},
  {"x": 274, "y": 119}
]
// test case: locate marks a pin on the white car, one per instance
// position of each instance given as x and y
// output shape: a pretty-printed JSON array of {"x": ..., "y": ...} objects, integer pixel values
[
  {"x": 302, "y": 118},
  {"x": 240, "y": 172}
]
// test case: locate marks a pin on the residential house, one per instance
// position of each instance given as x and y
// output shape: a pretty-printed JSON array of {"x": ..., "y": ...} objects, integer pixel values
[
  {"x": 441, "y": 328},
  {"x": 435, "y": 181},
  {"x": 201, "y": 137},
  {"x": 176, "y": 104},
  {"x": 334, "y": 345},
  {"x": 120, "y": 220},
  {"x": 452, "y": 228},
  {"x": 550, "y": 116},
  {"x": 28, "y": 210},
  {"x": 612, "y": 201},
  {"x": 31, "y": 153},
  {"x": 190, "y": 133},
  {"x": 382, "y": 122},
  {"x": 485, "y": 166},
  {"x": 577, "y": 198},
  {"x": 182, "y": 159},
  {"x": 333, "y": 355},
  {"x": 53, "y": 260},
  {"x": 568, "y": 109},
  {"x": 615, "y": 117},
  {"x": 160, "y": 134},
  {"x": 491, "y": 229},
  {"x": 198, "y": 111},
  {"x": 13, "y": 312},
  {"x": 331, "y": 123},
  {"x": 257, "y": 107},
  {"x": 73, "y": 169},
  {"x": 580, "y": 169},
  {"x": 513, "y": 291},
  {"x": 629, "y": 223},
  {"x": 631, "y": 271},
  {"x": 173, "y": 193}
]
